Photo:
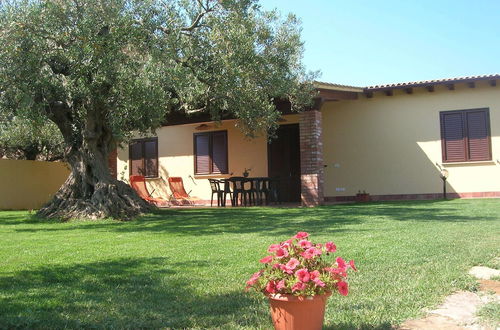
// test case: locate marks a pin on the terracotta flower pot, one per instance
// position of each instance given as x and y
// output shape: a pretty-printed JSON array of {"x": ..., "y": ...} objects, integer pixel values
[
  {"x": 298, "y": 313},
  {"x": 363, "y": 198}
]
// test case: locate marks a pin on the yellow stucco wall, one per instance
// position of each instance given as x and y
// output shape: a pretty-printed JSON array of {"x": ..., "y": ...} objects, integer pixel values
[
  {"x": 175, "y": 156},
  {"x": 385, "y": 145},
  {"x": 391, "y": 144},
  {"x": 27, "y": 184}
]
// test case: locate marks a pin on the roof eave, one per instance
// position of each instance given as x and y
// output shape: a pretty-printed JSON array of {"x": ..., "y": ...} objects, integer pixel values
[{"x": 337, "y": 87}]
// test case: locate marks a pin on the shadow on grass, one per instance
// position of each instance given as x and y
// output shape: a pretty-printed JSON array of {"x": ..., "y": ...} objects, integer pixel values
[
  {"x": 346, "y": 326},
  {"x": 272, "y": 221},
  {"x": 137, "y": 293}
]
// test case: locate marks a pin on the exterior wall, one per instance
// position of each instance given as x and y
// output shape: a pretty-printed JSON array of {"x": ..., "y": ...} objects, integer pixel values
[
  {"x": 391, "y": 145},
  {"x": 175, "y": 157},
  {"x": 27, "y": 184}
]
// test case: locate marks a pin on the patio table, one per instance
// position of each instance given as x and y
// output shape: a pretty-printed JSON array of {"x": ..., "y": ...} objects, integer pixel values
[{"x": 252, "y": 190}]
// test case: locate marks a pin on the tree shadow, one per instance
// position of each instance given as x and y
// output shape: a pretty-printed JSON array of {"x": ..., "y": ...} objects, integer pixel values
[
  {"x": 124, "y": 293},
  {"x": 266, "y": 221},
  {"x": 348, "y": 326},
  {"x": 275, "y": 221}
]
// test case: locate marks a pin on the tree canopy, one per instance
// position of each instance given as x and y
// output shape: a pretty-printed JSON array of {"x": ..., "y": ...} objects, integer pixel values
[
  {"x": 22, "y": 138},
  {"x": 100, "y": 70}
]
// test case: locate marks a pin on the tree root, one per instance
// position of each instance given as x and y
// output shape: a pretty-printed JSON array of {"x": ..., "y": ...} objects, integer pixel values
[{"x": 109, "y": 200}]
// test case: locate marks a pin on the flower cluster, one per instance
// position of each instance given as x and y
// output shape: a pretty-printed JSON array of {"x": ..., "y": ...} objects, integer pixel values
[{"x": 297, "y": 266}]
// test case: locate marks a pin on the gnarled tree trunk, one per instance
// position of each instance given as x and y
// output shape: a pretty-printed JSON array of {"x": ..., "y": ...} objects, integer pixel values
[{"x": 90, "y": 192}]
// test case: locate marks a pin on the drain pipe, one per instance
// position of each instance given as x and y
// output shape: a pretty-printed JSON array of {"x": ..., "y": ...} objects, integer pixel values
[{"x": 444, "y": 176}]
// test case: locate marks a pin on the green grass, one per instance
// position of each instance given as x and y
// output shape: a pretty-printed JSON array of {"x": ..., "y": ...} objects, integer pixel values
[
  {"x": 489, "y": 315},
  {"x": 187, "y": 268}
]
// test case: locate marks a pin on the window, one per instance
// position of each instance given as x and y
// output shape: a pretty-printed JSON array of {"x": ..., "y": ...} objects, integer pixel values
[
  {"x": 143, "y": 155},
  {"x": 465, "y": 135},
  {"x": 210, "y": 152}
]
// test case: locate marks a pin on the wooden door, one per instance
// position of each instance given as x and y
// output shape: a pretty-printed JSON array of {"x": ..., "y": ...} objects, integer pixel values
[{"x": 284, "y": 161}]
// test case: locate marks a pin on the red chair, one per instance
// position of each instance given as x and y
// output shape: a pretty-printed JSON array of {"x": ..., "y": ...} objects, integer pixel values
[
  {"x": 179, "y": 195},
  {"x": 138, "y": 183}
]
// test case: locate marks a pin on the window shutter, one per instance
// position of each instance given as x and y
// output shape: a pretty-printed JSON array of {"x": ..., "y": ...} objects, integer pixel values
[
  {"x": 478, "y": 135},
  {"x": 136, "y": 160},
  {"x": 202, "y": 153},
  {"x": 219, "y": 152},
  {"x": 112, "y": 163},
  {"x": 453, "y": 137},
  {"x": 151, "y": 158}
]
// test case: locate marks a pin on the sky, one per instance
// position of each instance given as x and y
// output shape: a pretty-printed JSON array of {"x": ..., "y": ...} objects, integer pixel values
[{"x": 369, "y": 42}]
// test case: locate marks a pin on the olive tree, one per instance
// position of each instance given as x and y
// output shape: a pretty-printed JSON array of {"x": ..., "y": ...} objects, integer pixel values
[
  {"x": 102, "y": 69},
  {"x": 24, "y": 138}
]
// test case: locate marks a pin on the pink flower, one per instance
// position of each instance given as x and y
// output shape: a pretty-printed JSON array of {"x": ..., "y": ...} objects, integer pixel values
[
  {"x": 314, "y": 274},
  {"x": 305, "y": 244},
  {"x": 266, "y": 260},
  {"x": 301, "y": 235},
  {"x": 273, "y": 247},
  {"x": 271, "y": 287},
  {"x": 253, "y": 279},
  {"x": 286, "y": 269},
  {"x": 277, "y": 265},
  {"x": 302, "y": 275},
  {"x": 311, "y": 253},
  {"x": 337, "y": 271},
  {"x": 351, "y": 263},
  {"x": 281, "y": 253},
  {"x": 280, "y": 285},
  {"x": 341, "y": 263},
  {"x": 343, "y": 288},
  {"x": 330, "y": 247},
  {"x": 287, "y": 244},
  {"x": 292, "y": 264},
  {"x": 298, "y": 286},
  {"x": 315, "y": 278},
  {"x": 319, "y": 282},
  {"x": 306, "y": 255}
]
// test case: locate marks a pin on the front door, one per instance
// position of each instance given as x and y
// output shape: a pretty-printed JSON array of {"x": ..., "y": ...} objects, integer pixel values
[{"x": 284, "y": 161}]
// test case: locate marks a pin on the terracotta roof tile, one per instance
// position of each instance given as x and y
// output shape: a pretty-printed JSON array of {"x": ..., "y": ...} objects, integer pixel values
[
  {"x": 435, "y": 82},
  {"x": 423, "y": 83}
]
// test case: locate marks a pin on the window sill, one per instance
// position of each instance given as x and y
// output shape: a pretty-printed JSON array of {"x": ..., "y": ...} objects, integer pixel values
[
  {"x": 210, "y": 176},
  {"x": 472, "y": 163}
]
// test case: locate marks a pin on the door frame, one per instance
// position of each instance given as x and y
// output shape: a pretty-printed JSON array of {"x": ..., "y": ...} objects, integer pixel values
[{"x": 269, "y": 157}]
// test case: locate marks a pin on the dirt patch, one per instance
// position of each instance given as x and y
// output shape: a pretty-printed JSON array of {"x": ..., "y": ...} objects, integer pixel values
[{"x": 490, "y": 286}]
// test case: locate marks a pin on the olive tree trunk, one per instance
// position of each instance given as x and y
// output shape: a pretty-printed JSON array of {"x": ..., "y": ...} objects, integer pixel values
[{"x": 90, "y": 192}]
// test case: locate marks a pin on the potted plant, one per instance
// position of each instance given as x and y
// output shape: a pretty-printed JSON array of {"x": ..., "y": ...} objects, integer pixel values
[
  {"x": 246, "y": 172},
  {"x": 363, "y": 197},
  {"x": 297, "y": 278}
]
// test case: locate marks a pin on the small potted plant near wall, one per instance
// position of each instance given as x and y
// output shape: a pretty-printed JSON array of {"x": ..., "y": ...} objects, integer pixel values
[
  {"x": 363, "y": 197},
  {"x": 298, "y": 278},
  {"x": 246, "y": 172}
]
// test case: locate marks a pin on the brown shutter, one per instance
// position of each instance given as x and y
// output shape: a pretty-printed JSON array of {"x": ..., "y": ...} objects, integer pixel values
[
  {"x": 151, "y": 158},
  {"x": 453, "y": 137},
  {"x": 112, "y": 163},
  {"x": 478, "y": 134},
  {"x": 202, "y": 153},
  {"x": 136, "y": 160},
  {"x": 219, "y": 152}
]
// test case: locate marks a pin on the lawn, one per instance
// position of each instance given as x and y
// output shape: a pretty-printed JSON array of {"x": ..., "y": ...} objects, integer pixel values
[{"x": 187, "y": 268}]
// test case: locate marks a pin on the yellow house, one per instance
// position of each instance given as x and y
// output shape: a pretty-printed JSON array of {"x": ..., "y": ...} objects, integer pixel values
[{"x": 391, "y": 141}]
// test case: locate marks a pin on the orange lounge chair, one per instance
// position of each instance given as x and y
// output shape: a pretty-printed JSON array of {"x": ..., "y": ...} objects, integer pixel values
[
  {"x": 139, "y": 184},
  {"x": 179, "y": 195}
]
